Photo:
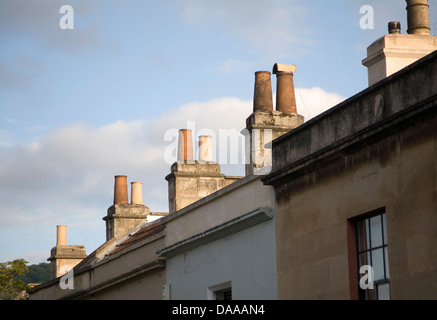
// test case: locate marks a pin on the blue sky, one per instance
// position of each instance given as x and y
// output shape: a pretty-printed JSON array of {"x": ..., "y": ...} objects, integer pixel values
[{"x": 80, "y": 106}]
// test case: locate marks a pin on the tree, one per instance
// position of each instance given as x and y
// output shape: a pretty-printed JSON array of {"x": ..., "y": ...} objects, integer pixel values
[
  {"x": 10, "y": 286},
  {"x": 38, "y": 273}
]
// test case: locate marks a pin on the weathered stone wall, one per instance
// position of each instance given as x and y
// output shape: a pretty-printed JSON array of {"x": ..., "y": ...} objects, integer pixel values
[
  {"x": 190, "y": 182},
  {"x": 378, "y": 150}
]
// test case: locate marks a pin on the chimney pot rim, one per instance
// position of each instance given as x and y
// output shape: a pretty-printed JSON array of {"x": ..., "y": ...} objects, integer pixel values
[
  {"x": 394, "y": 27},
  {"x": 263, "y": 72},
  {"x": 287, "y": 68},
  {"x": 284, "y": 73}
]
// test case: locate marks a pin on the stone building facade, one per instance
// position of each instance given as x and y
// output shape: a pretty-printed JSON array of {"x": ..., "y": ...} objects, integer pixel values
[{"x": 350, "y": 195}]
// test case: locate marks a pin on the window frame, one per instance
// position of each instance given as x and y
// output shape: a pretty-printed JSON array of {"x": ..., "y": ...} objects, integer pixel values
[
  {"x": 217, "y": 292},
  {"x": 354, "y": 252}
]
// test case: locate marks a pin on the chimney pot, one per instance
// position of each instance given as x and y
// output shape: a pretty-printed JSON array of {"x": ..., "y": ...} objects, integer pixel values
[
  {"x": 136, "y": 192},
  {"x": 120, "y": 190},
  {"x": 285, "y": 95},
  {"x": 284, "y": 68},
  {"x": 418, "y": 17},
  {"x": 185, "y": 145},
  {"x": 394, "y": 27},
  {"x": 61, "y": 235},
  {"x": 205, "y": 149},
  {"x": 263, "y": 100}
]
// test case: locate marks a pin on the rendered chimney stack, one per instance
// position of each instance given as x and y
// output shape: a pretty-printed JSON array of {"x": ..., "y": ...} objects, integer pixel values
[
  {"x": 205, "y": 149},
  {"x": 185, "y": 145},
  {"x": 285, "y": 95},
  {"x": 120, "y": 190},
  {"x": 136, "y": 192},
  {"x": 61, "y": 236},
  {"x": 262, "y": 99},
  {"x": 418, "y": 17},
  {"x": 395, "y": 51}
]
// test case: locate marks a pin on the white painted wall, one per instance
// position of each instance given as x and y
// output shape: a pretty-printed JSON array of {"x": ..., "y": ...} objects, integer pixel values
[{"x": 247, "y": 259}]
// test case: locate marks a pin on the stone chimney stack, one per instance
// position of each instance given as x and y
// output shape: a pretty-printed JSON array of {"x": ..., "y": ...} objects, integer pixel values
[
  {"x": 418, "y": 17},
  {"x": 190, "y": 180},
  {"x": 123, "y": 216},
  {"x": 265, "y": 124},
  {"x": 64, "y": 257},
  {"x": 395, "y": 51}
]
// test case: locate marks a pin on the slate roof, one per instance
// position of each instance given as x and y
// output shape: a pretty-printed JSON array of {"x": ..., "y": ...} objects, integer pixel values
[{"x": 142, "y": 234}]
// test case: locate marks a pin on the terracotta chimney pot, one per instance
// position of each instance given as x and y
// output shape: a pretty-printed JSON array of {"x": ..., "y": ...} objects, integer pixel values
[
  {"x": 205, "y": 148},
  {"x": 61, "y": 235},
  {"x": 262, "y": 99},
  {"x": 136, "y": 192},
  {"x": 120, "y": 190},
  {"x": 185, "y": 145}
]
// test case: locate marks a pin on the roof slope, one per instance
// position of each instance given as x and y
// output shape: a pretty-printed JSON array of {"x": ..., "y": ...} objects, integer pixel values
[{"x": 145, "y": 232}]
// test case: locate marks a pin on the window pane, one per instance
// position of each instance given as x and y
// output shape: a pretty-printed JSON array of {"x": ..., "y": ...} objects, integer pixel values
[
  {"x": 378, "y": 264},
  {"x": 364, "y": 259},
  {"x": 387, "y": 273},
  {"x": 371, "y": 294},
  {"x": 376, "y": 231},
  {"x": 384, "y": 291},
  {"x": 384, "y": 228},
  {"x": 363, "y": 239}
]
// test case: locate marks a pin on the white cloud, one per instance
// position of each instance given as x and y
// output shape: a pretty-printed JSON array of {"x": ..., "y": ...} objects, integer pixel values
[
  {"x": 66, "y": 177},
  {"x": 314, "y": 101}
]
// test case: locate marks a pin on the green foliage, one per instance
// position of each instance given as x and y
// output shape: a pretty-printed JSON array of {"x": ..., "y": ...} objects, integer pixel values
[
  {"x": 10, "y": 286},
  {"x": 38, "y": 273}
]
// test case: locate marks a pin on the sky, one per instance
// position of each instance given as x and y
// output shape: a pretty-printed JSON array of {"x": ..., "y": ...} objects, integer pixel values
[{"x": 79, "y": 106}]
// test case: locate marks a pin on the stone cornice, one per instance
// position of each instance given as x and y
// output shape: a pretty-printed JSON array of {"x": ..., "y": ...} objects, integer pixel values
[{"x": 219, "y": 232}]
